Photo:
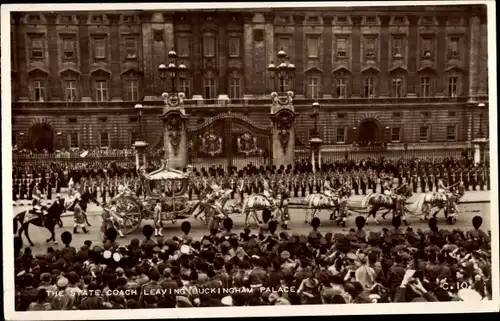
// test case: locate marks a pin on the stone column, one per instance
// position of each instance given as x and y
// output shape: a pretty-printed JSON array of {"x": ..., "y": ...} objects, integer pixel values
[
  {"x": 475, "y": 30},
  {"x": 299, "y": 54},
  {"x": 413, "y": 55},
  {"x": 327, "y": 54},
  {"x": 270, "y": 53},
  {"x": 283, "y": 131},
  {"x": 356, "y": 56},
  {"x": 159, "y": 54},
  {"x": 116, "y": 84},
  {"x": 147, "y": 54},
  {"x": 385, "y": 41},
  {"x": 248, "y": 52},
  {"x": 441, "y": 80},
  {"x": 85, "y": 56},
  {"x": 21, "y": 41},
  {"x": 483, "y": 58},
  {"x": 197, "y": 57},
  {"x": 54, "y": 79}
]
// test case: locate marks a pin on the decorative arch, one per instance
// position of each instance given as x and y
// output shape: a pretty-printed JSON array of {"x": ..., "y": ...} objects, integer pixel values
[
  {"x": 398, "y": 70},
  {"x": 370, "y": 70},
  {"x": 369, "y": 129},
  {"x": 427, "y": 69},
  {"x": 314, "y": 70},
  {"x": 41, "y": 136},
  {"x": 236, "y": 118},
  {"x": 341, "y": 69},
  {"x": 132, "y": 71}
]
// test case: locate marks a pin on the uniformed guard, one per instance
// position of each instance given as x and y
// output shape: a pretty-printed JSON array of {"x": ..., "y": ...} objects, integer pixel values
[
  {"x": 363, "y": 183},
  {"x": 430, "y": 182},
  {"x": 465, "y": 179},
  {"x": 473, "y": 180},
  {"x": 414, "y": 182},
  {"x": 78, "y": 216},
  {"x": 422, "y": 183},
  {"x": 158, "y": 219}
]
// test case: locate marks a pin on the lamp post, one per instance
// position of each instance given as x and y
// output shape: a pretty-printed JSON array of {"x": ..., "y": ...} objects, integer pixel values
[
  {"x": 284, "y": 70},
  {"x": 172, "y": 70},
  {"x": 480, "y": 141},
  {"x": 139, "y": 144}
]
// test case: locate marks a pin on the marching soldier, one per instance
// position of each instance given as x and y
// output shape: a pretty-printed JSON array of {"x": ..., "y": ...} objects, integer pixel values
[
  {"x": 296, "y": 184},
  {"x": 430, "y": 182},
  {"x": 422, "y": 183},
  {"x": 481, "y": 179},
  {"x": 157, "y": 219},
  {"x": 414, "y": 182},
  {"x": 303, "y": 183},
  {"x": 363, "y": 184},
  {"x": 473, "y": 179},
  {"x": 310, "y": 184},
  {"x": 465, "y": 179},
  {"x": 241, "y": 186},
  {"x": 79, "y": 217}
]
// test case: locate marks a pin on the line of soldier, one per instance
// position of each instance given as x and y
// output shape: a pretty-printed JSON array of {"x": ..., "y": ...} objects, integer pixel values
[{"x": 363, "y": 177}]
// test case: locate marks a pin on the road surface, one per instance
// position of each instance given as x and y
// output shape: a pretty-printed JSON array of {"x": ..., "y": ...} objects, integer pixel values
[{"x": 297, "y": 225}]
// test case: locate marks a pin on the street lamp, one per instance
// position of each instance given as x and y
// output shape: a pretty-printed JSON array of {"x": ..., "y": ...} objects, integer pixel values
[
  {"x": 315, "y": 107},
  {"x": 172, "y": 70},
  {"x": 138, "y": 108},
  {"x": 284, "y": 69},
  {"x": 481, "y": 106}
]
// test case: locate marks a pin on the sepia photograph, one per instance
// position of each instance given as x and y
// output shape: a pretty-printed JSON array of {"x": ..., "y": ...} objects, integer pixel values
[{"x": 231, "y": 158}]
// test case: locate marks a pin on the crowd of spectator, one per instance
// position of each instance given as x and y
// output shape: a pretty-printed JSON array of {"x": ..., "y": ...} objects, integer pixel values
[{"x": 265, "y": 268}]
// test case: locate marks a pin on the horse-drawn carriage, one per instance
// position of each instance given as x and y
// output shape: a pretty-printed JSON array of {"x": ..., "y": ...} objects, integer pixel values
[{"x": 133, "y": 209}]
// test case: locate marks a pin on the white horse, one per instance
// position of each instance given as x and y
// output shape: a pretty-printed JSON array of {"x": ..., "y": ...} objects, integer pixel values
[
  {"x": 259, "y": 202},
  {"x": 445, "y": 201}
]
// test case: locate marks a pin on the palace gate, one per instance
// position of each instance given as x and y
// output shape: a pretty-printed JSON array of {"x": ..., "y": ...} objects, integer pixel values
[{"x": 229, "y": 140}]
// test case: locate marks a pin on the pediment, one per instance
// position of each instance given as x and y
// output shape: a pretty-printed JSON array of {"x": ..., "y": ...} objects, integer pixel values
[
  {"x": 38, "y": 70},
  {"x": 132, "y": 71},
  {"x": 427, "y": 69},
  {"x": 398, "y": 69},
  {"x": 69, "y": 71},
  {"x": 454, "y": 69},
  {"x": 370, "y": 69},
  {"x": 341, "y": 69},
  {"x": 100, "y": 71},
  {"x": 314, "y": 70}
]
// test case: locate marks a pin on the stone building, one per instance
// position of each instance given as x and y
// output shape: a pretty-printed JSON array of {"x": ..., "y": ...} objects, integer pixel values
[{"x": 411, "y": 77}]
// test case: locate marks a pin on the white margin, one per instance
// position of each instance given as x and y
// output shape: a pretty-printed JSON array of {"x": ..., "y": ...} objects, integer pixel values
[{"x": 261, "y": 311}]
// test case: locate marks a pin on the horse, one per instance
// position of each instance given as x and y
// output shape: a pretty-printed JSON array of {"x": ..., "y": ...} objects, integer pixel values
[
  {"x": 375, "y": 201},
  {"x": 259, "y": 202},
  {"x": 85, "y": 199},
  {"x": 440, "y": 200},
  {"x": 49, "y": 221},
  {"x": 319, "y": 201},
  {"x": 214, "y": 209}
]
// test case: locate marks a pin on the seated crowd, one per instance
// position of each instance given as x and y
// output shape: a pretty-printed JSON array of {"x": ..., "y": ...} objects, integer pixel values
[{"x": 267, "y": 268}]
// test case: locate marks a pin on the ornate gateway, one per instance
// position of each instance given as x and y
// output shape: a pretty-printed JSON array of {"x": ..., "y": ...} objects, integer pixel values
[{"x": 229, "y": 140}]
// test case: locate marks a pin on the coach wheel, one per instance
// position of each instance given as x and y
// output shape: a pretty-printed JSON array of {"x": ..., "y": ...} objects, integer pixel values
[{"x": 131, "y": 214}]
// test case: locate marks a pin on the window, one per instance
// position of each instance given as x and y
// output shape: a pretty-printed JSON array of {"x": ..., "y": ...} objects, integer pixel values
[
  {"x": 209, "y": 86},
  {"x": 208, "y": 46},
  {"x": 341, "y": 47},
  {"x": 312, "y": 47},
  {"x": 453, "y": 86},
  {"x": 185, "y": 86},
  {"x": 370, "y": 48},
  {"x": 70, "y": 90},
  {"x": 234, "y": 46},
  {"x": 425, "y": 87},
  {"x": 395, "y": 134},
  {"x": 369, "y": 87},
  {"x": 235, "y": 87},
  {"x": 340, "y": 139},
  {"x": 104, "y": 140},
  {"x": 427, "y": 47},
  {"x": 69, "y": 48},
  {"x": 131, "y": 47},
  {"x": 451, "y": 132},
  {"x": 39, "y": 90},
  {"x": 371, "y": 20},
  {"x": 73, "y": 140},
  {"x": 340, "y": 116},
  {"x": 183, "y": 47},
  {"x": 454, "y": 46},
  {"x": 66, "y": 19},
  {"x": 425, "y": 114},
  {"x": 399, "y": 20},
  {"x": 101, "y": 90},
  {"x": 129, "y": 19},
  {"x": 97, "y": 19},
  {"x": 452, "y": 114},
  {"x": 342, "y": 19},
  {"x": 341, "y": 87},
  {"x": 397, "y": 87},
  {"x": 424, "y": 133},
  {"x": 100, "y": 48},
  {"x": 313, "y": 87},
  {"x": 37, "y": 51},
  {"x": 397, "y": 47},
  {"x": 396, "y": 115},
  {"x": 131, "y": 89}
]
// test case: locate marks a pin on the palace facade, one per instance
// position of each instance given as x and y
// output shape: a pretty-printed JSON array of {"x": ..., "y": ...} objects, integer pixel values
[{"x": 407, "y": 76}]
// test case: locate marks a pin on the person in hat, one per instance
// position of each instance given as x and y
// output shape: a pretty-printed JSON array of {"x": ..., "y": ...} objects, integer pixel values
[
  {"x": 78, "y": 216},
  {"x": 41, "y": 303},
  {"x": 157, "y": 219}
]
